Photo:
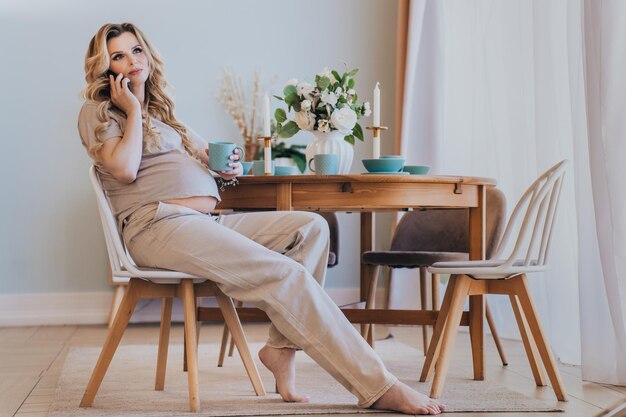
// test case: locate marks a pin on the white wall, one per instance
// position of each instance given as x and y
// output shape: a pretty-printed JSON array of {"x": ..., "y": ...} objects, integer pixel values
[{"x": 50, "y": 240}]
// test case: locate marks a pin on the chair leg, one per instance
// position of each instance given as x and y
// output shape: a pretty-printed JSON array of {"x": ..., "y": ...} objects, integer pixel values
[
  {"x": 477, "y": 335},
  {"x": 189, "y": 308},
  {"x": 494, "y": 334},
  {"x": 131, "y": 296},
  {"x": 424, "y": 304},
  {"x": 234, "y": 325},
  {"x": 449, "y": 335},
  {"x": 164, "y": 341},
  {"x": 368, "y": 331},
  {"x": 231, "y": 349},
  {"x": 198, "y": 325},
  {"x": 118, "y": 295},
  {"x": 529, "y": 343},
  {"x": 435, "y": 290},
  {"x": 435, "y": 342},
  {"x": 225, "y": 337},
  {"x": 530, "y": 312}
]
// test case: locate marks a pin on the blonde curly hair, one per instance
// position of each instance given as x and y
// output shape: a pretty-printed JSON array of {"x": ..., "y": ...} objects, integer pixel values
[{"x": 157, "y": 101}]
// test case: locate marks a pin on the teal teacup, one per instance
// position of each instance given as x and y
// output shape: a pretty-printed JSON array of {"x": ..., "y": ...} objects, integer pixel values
[
  {"x": 247, "y": 166},
  {"x": 286, "y": 170},
  {"x": 219, "y": 155},
  {"x": 258, "y": 167},
  {"x": 391, "y": 157},
  {"x": 325, "y": 164}
]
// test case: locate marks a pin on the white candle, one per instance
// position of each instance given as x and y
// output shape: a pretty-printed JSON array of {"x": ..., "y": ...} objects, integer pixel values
[
  {"x": 376, "y": 152},
  {"x": 267, "y": 155},
  {"x": 377, "y": 105},
  {"x": 266, "y": 116}
]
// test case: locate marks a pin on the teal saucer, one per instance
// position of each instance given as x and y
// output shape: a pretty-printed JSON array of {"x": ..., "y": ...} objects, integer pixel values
[{"x": 386, "y": 173}]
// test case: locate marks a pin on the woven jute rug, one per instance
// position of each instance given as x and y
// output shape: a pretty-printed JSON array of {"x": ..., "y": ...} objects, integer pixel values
[{"x": 128, "y": 387}]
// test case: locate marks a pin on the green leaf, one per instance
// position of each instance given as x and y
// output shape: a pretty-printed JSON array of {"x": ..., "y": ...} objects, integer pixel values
[
  {"x": 357, "y": 131},
  {"x": 322, "y": 82},
  {"x": 290, "y": 89},
  {"x": 300, "y": 160},
  {"x": 290, "y": 99},
  {"x": 353, "y": 72},
  {"x": 336, "y": 75},
  {"x": 349, "y": 139},
  {"x": 289, "y": 129},
  {"x": 278, "y": 97},
  {"x": 280, "y": 115},
  {"x": 351, "y": 83}
]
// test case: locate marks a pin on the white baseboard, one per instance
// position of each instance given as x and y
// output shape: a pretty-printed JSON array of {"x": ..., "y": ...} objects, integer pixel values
[
  {"x": 55, "y": 308},
  {"x": 93, "y": 307}
]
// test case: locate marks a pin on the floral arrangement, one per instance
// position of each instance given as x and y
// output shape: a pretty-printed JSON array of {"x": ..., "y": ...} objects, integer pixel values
[{"x": 329, "y": 104}]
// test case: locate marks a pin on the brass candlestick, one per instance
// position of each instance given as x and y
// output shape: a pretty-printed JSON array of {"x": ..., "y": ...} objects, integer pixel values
[
  {"x": 267, "y": 153},
  {"x": 376, "y": 131}
]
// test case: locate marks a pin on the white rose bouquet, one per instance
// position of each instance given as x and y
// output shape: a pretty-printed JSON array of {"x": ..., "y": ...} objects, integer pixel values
[{"x": 329, "y": 104}]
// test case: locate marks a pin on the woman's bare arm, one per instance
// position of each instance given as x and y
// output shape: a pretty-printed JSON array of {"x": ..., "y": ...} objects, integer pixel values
[{"x": 122, "y": 156}]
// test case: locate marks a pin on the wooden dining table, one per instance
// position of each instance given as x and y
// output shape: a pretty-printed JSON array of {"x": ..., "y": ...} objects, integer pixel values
[{"x": 367, "y": 194}]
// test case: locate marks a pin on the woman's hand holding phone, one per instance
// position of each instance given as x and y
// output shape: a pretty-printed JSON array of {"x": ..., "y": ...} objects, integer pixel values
[{"x": 121, "y": 95}]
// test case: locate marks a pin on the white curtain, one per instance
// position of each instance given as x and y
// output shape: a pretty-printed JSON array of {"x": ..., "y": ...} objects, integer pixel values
[
  {"x": 497, "y": 89},
  {"x": 603, "y": 307}
]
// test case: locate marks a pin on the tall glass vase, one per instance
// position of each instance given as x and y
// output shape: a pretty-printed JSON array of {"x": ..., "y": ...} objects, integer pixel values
[{"x": 331, "y": 142}]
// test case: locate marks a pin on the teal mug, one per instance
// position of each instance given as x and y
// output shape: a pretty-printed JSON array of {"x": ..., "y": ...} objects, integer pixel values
[
  {"x": 325, "y": 164},
  {"x": 247, "y": 166},
  {"x": 219, "y": 155},
  {"x": 258, "y": 167}
]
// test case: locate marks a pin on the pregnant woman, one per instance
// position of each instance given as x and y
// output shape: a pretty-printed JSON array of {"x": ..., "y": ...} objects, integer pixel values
[{"x": 154, "y": 171}]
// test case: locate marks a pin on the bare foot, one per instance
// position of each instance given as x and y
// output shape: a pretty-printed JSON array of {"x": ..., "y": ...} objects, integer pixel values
[
  {"x": 281, "y": 362},
  {"x": 404, "y": 399}
]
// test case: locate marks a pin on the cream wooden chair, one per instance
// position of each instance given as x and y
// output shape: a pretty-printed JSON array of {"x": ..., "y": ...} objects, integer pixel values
[
  {"x": 529, "y": 230},
  {"x": 165, "y": 284},
  {"x": 425, "y": 237}
]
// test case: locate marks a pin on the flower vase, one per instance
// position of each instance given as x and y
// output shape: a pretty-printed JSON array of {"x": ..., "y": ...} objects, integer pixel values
[{"x": 331, "y": 142}]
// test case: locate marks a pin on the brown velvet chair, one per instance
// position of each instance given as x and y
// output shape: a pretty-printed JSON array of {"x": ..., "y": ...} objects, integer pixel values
[
  {"x": 425, "y": 237},
  {"x": 333, "y": 260}
]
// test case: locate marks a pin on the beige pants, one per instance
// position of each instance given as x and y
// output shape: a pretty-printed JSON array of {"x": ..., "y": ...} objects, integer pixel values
[{"x": 274, "y": 260}]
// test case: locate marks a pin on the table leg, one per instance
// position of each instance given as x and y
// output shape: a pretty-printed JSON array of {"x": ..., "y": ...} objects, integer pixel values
[
  {"x": 477, "y": 224},
  {"x": 367, "y": 244},
  {"x": 368, "y": 222}
]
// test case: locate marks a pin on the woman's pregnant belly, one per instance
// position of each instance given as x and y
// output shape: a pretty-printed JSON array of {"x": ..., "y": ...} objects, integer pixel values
[{"x": 204, "y": 204}]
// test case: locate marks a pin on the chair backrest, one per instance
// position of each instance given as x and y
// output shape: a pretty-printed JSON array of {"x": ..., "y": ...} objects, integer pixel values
[
  {"x": 119, "y": 261},
  {"x": 533, "y": 218},
  {"x": 446, "y": 230}
]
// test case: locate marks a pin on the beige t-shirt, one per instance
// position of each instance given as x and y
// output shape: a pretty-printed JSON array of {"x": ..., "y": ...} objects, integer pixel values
[{"x": 166, "y": 172}]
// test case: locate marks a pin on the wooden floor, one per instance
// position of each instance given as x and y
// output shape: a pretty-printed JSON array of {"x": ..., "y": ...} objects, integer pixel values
[{"x": 31, "y": 359}]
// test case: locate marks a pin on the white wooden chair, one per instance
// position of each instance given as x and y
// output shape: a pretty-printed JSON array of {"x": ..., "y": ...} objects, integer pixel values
[
  {"x": 504, "y": 275},
  {"x": 165, "y": 284}
]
